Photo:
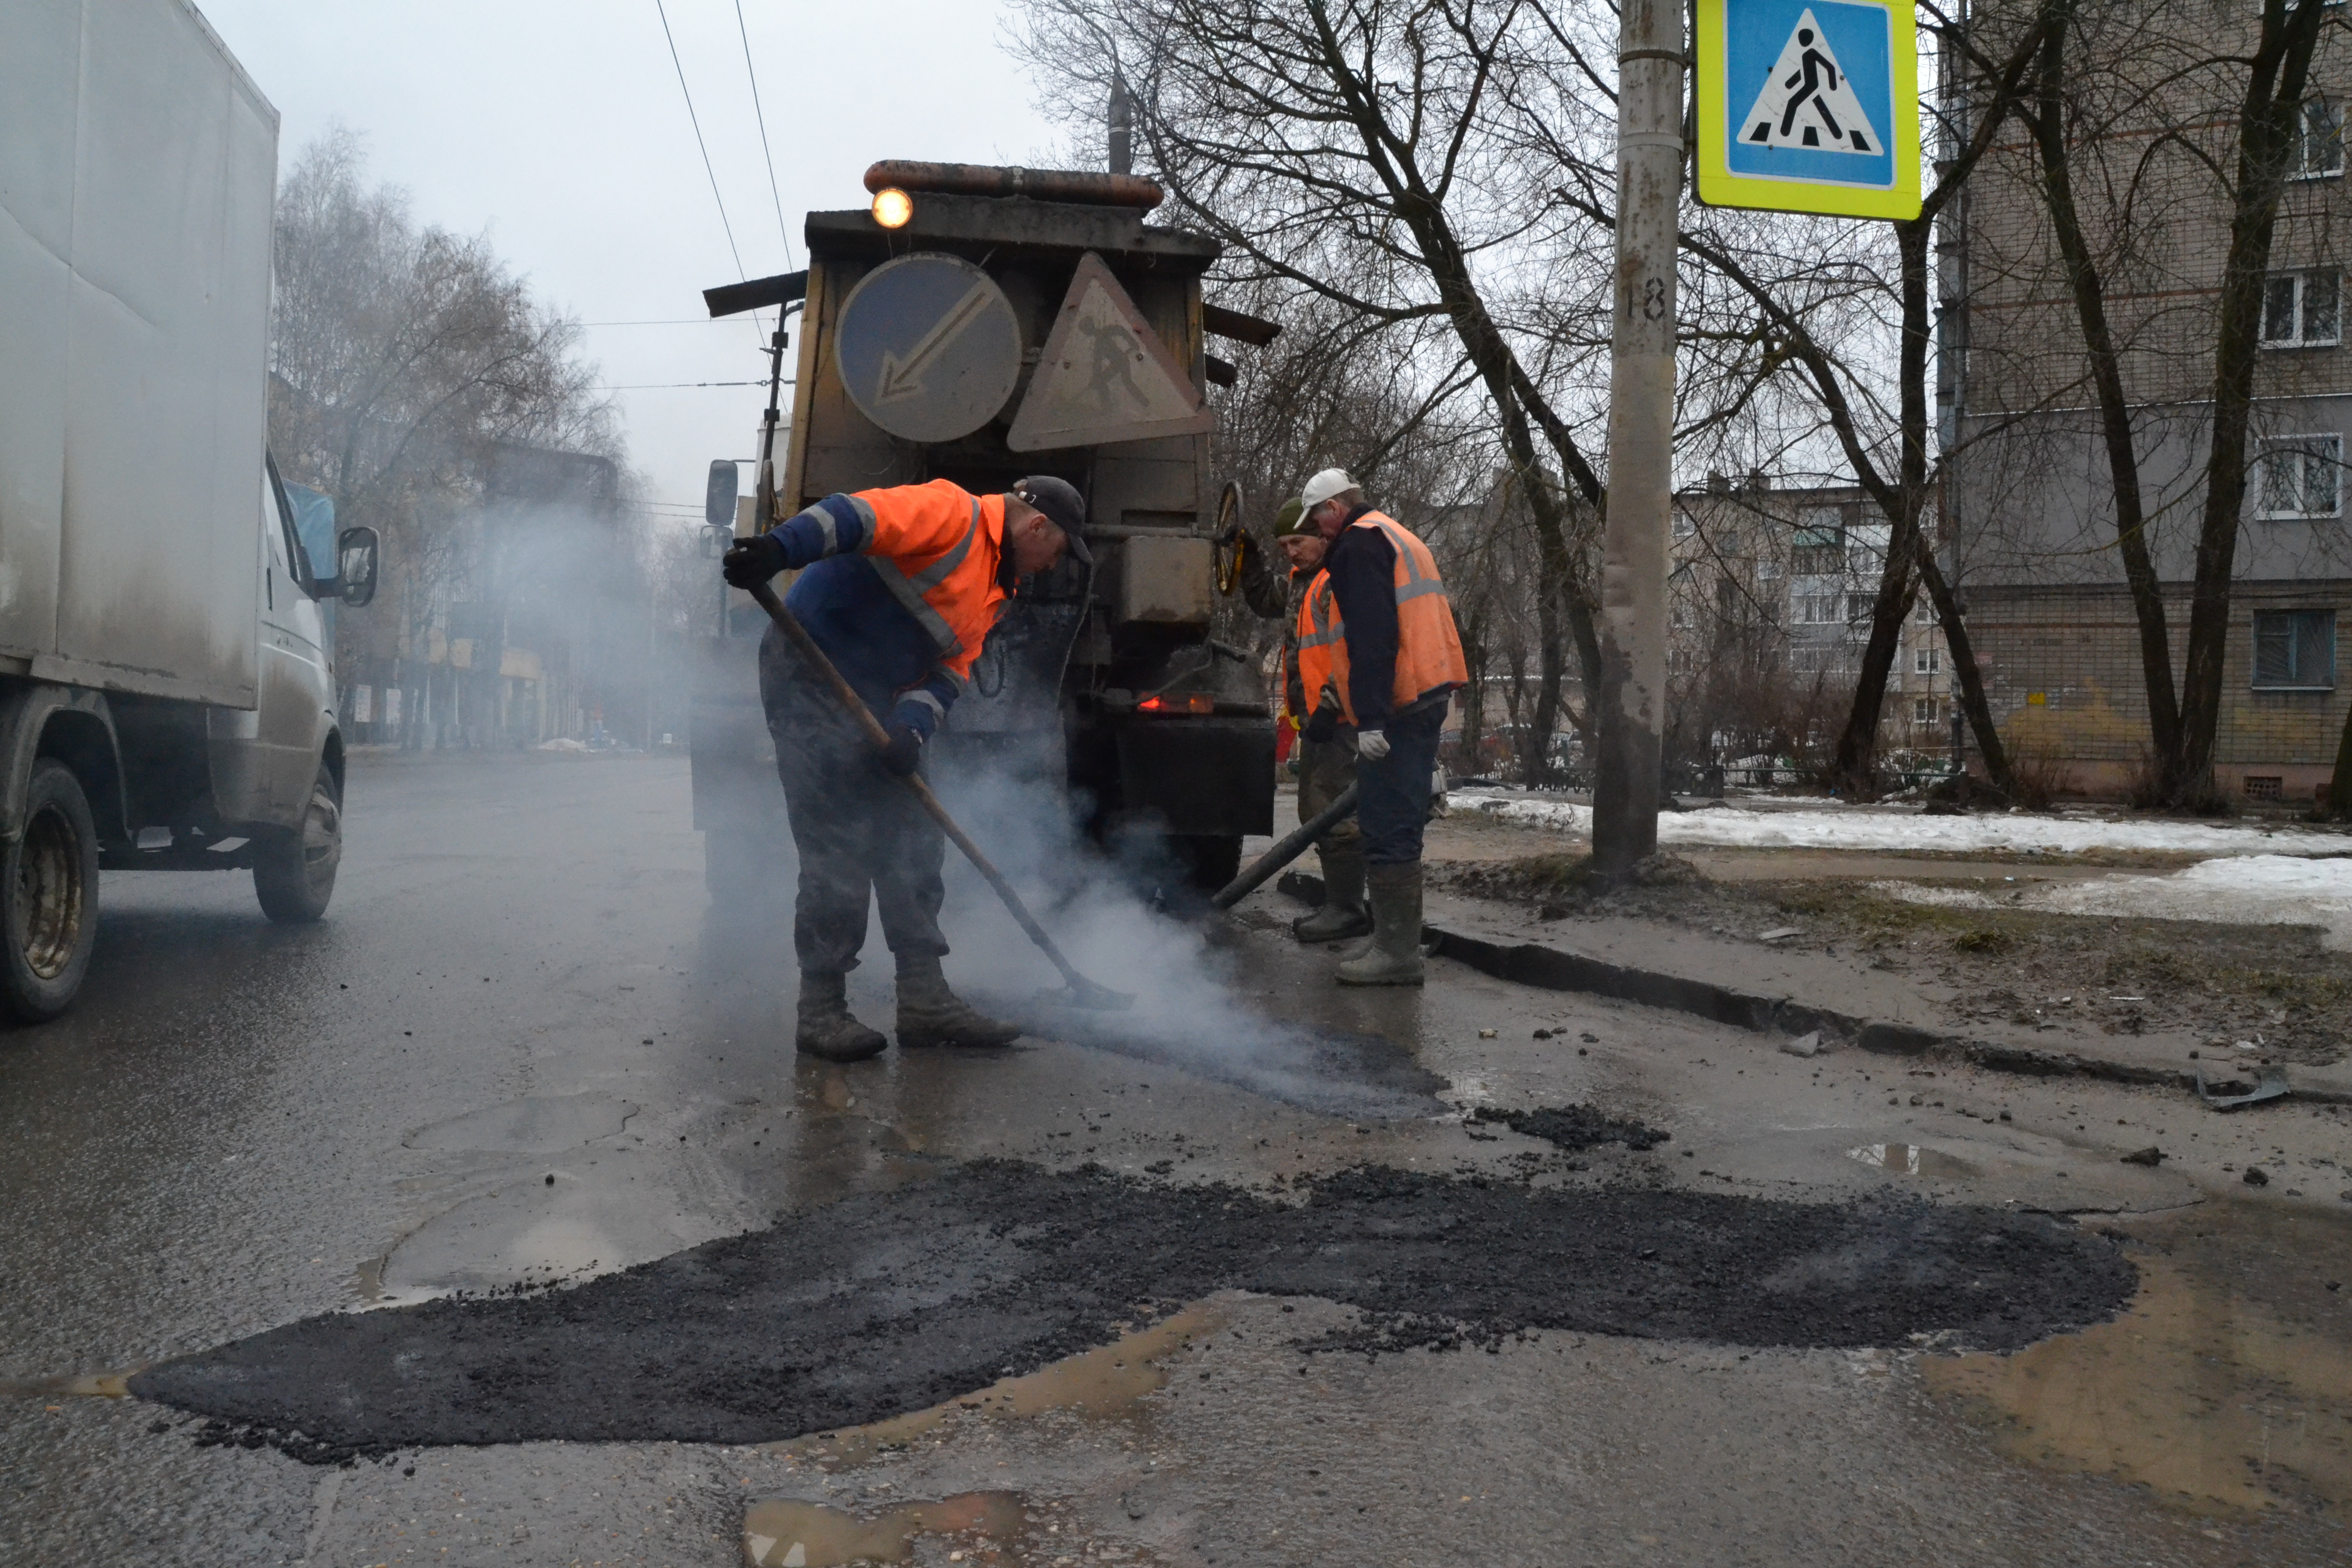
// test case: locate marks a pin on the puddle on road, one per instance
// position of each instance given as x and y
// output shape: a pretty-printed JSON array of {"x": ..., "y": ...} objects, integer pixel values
[
  {"x": 542, "y": 1125},
  {"x": 981, "y": 1526},
  {"x": 1914, "y": 1160},
  {"x": 2226, "y": 1387},
  {"x": 1098, "y": 1382}
]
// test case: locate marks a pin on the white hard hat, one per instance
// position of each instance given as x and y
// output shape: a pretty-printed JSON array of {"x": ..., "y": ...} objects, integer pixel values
[{"x": 1324, "y": 486}]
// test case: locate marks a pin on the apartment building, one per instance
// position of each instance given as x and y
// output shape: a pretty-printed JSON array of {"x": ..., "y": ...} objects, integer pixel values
[
  {"x": 1770, "y": 602},
  {"x": 2031, "y": 500}
]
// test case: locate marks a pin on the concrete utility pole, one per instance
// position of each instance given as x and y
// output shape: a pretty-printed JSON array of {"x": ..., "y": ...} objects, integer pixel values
[{"x": 1633, "y": 696}]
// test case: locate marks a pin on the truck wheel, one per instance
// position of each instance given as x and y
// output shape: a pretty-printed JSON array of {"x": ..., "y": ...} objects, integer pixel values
[
  {"x": 294, "y": 869},
  {"x": 50, "y": 909},
  {"x": 1210, "y": 860}
]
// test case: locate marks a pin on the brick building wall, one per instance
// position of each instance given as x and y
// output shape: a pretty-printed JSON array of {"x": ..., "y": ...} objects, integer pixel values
[{"x": 2063, "y": 678}]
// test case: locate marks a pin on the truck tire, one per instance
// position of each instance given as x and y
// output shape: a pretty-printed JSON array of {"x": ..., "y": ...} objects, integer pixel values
[
  {"x": 294, "y": 869},
  {"x": 1210, "y": 859},
  {"x": 49, "y": 918}
]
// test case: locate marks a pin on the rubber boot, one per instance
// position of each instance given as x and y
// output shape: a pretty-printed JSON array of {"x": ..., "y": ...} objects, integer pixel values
[
  {"x": 931, "y": 1014},
  {"x": 826, "y": 1028},
  {"x": 1342, "y": 914},
  {"x": 1394, "y": 958}
]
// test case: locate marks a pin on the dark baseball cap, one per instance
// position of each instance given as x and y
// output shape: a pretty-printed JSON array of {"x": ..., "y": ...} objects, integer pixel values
[{"x": 1063, "y": 505}]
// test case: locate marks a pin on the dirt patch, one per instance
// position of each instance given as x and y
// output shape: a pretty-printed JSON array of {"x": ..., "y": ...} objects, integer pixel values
[
  {"x": 1575, "y": 1127},
  {"x": 891, "y": 1302},
  {"x": 2024, "y": 967}
]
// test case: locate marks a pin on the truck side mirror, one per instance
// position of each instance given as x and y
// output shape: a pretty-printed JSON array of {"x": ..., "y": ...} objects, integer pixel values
[
  {"x": 356, "y": 558},
  {"x": 719, "y": 495}
]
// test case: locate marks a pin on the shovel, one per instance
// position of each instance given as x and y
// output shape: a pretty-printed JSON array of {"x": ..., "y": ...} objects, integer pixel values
[{"x": 1083, "y": 991}]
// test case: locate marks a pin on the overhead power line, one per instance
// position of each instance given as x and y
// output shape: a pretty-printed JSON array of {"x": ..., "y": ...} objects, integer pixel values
[
  {"x": 696, "y": 120},
  {"x": 670, "y": 386},
  {"x": 765, "y": 150}
]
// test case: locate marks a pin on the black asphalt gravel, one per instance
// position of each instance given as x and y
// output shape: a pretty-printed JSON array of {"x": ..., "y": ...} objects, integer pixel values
[
  {"x": 1575, "y": 1127},
  {"x": 891, "y": 1302}
]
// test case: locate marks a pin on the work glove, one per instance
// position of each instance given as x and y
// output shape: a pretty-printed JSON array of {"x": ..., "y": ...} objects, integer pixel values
[
  {"x": 904, "y": 754},
  {"x": 752, "y": 562},
  {"x": 1371, "y": 745},
  {"x": 1322, "y": 726}
]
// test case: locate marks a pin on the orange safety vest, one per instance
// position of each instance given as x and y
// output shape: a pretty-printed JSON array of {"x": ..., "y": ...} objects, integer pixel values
[
  {"x": 1429, "y": 651},
  {"x": 937, "y": 548}
]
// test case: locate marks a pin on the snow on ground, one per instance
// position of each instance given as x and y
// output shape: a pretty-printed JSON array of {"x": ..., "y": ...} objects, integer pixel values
[
  {"x": 1829, "y": 827},
  {"x": 2246, "y": 890}
]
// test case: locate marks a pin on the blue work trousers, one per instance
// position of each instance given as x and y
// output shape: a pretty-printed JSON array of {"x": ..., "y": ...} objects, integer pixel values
[{"x": 1392, "y": 795}]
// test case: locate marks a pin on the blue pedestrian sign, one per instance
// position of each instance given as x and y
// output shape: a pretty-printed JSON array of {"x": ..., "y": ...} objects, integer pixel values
[{"x": 1808, "y": 106}]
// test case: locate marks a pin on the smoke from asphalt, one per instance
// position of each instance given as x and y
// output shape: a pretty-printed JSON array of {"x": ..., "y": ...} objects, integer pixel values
[{"x": 1125, "y": 918}]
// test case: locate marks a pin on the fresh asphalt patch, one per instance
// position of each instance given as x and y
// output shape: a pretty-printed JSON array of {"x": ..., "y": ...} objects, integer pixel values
[{"x": 891, "y": 1302}]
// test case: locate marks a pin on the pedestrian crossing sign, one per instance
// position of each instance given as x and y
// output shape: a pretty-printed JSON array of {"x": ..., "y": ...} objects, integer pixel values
[{"x": 1808, "y": 106}]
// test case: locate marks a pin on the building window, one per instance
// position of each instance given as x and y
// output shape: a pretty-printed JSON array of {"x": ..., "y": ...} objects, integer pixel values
[
  {"x": 2301, "y": 476},
  {"x": 1923, "y": 711},
  {"x": 2299, "y": 310},
  {"x": 2318, "y": 140},
  {"x": 1817, "y": 660},
  {"x": 1684, "y": 528},
  {"x": 1819, "y": 548},
  {"x": 1821, "y": 610},
  {"x": 1924, "y": 615},
  {"x": 1928, "y": 661},
  {"x": 2295, "y": 650}
]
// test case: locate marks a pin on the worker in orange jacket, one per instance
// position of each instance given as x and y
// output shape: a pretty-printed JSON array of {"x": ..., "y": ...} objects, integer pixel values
[
  {"x": 1327, "y": 764},
  {"x": 899, "y": 589},
  {"x": 1378, "y": 650}
]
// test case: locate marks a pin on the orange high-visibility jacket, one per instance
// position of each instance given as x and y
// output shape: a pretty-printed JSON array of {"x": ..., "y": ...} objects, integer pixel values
[
  {"x": 1429, "y": 649},
  {"x": 937, "y": 548}
]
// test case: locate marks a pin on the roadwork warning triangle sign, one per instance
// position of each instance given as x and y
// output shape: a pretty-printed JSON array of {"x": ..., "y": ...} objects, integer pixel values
[
  {"x": 1807, "y": 101},
  {"x": 1103, "y": 375}
]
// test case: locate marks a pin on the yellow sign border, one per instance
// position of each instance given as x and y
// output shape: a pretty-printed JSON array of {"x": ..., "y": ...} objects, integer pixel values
[{"x": 1718, "y": 187}]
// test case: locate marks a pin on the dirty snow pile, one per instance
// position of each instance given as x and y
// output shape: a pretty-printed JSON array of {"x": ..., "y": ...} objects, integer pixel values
[
  {"x": 2245, "y": 890},
  {"x": 1829, "y": 827}
]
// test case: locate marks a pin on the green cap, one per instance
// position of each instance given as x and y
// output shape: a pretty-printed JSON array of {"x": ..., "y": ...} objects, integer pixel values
[{"x": 1286, "y": 521}]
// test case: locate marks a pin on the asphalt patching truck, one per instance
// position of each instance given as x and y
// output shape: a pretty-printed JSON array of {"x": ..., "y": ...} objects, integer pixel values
[
  {"x": 979, "y": 324},
  {"x": 166, "y": 698}
]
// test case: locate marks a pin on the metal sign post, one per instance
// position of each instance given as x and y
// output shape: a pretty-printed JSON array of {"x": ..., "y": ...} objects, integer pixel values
[
  {"x": 1808, "y": 106},
  {"x": 1630, "y": 704}
]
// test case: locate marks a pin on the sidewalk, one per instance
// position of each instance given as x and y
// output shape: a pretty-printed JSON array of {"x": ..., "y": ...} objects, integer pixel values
[
  {"x": 1759, "y": 987},
  {"x": 1784, "y": 992}
]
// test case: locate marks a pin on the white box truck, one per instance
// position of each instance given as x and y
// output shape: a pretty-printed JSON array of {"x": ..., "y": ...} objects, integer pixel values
[{"x": 165, "y": 696}]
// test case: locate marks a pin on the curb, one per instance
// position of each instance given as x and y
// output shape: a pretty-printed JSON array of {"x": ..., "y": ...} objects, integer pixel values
[{"x": 1549, "y": 969}]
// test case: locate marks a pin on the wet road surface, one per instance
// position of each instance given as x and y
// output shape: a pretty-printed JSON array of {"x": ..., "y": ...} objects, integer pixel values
[{"x": 522, "y": 1051}]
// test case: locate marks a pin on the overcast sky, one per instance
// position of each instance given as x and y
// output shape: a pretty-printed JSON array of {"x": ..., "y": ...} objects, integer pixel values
[{"x": 561, "y": 131}]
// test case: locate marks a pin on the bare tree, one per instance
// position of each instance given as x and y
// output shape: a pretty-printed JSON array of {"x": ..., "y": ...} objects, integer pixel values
[
  {"x": 1347, "y": 149},
  {"x": 403, "y": 360},
  {"x": 2140, "y": 110}
]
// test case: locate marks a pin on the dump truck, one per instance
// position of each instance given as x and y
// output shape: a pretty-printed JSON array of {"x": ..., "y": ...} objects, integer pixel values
[
  {"x": 980, "y": 325},
  {"x": 165, "y": 697}
]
